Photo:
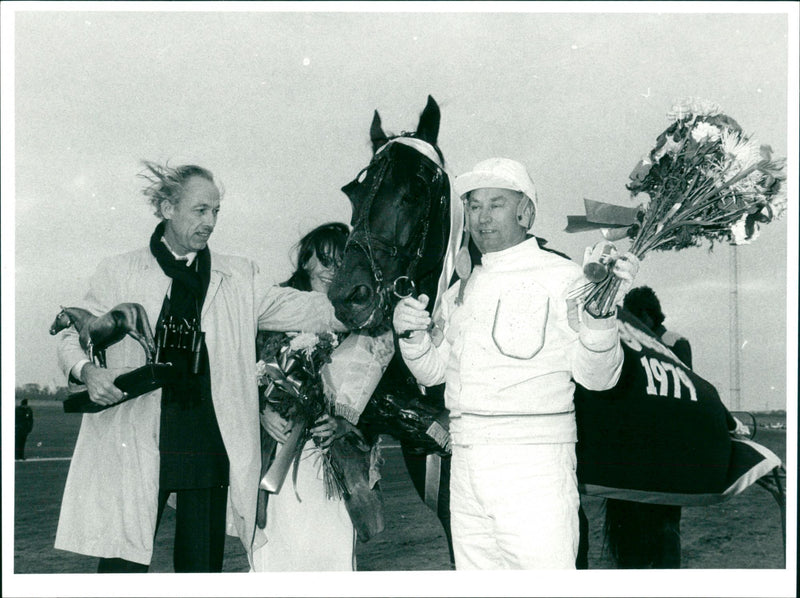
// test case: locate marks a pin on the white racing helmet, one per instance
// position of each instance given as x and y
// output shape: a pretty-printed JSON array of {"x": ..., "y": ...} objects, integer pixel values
[{"x": 502, "y": 173}]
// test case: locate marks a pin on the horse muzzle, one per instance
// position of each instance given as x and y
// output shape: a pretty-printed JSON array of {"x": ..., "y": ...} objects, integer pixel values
[
  {"x": 359, "y": 306},
  {"x": 359, "y": 318}
]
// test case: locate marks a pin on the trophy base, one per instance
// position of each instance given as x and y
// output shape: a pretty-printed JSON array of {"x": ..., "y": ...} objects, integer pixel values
[{"x": 136, "y": 383}]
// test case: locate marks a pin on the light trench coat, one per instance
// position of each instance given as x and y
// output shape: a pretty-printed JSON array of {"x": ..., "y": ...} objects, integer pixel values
[{"x": 110, "y": 498}]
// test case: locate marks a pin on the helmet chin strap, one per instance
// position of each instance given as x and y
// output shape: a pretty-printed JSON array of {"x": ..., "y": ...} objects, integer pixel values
[
  {"x": 451, "y": 258},
  {"x": 463, "y": 267}
]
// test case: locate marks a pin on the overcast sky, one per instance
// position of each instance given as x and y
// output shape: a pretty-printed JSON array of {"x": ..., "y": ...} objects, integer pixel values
[{"x": 278, "y": 106}]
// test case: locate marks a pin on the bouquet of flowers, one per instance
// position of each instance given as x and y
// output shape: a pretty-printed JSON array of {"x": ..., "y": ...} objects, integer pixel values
[
  {"x": 289, "y": 378},
  {"x": 288, "y": 370},
  {"x": 704, "y": 180}
]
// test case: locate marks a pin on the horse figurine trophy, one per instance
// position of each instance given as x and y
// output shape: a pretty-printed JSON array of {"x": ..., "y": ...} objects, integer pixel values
[{"x": 98, "y": 333}]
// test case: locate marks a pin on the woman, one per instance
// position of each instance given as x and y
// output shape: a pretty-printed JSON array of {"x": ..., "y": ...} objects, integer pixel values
[{"x": 306, "y": 530}]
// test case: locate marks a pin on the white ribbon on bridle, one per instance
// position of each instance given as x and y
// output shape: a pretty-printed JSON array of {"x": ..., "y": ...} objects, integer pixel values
[
  {"x": 456, "y": 216},
  {"x": 423, "y": 147}
]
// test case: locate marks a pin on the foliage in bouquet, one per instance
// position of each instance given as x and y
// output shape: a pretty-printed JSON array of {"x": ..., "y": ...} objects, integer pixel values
[
  {"x": 288, "y": 372},
  {"x": 705, "y": 179}
]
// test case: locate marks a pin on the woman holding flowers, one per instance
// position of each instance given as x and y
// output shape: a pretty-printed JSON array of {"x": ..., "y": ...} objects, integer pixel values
[{"x": 308, "y": 527}]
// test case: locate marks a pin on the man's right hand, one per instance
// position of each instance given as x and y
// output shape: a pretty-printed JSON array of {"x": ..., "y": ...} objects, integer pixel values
[
  {"x": 100, "y": 384},
  {"x": 410, "y": 315}
]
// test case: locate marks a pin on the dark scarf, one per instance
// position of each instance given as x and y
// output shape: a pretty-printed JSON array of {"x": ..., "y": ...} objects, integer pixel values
[
  {"x": 193, "y": 454},
  {"x": 189, "y": 287},
  {"x": 195, "y": 278}
]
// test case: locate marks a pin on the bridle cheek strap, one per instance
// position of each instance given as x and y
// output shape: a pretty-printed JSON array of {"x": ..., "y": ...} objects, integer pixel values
[
  {"x": 365, "y": 240},
  {"x": 456, "y": 214}
]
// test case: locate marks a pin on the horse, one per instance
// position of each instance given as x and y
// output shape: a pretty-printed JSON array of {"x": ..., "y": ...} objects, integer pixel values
[
  {"x": 398, "y": 244},
  {"x": 400, "y": 224},
  {"x": 97, "y": 333}
]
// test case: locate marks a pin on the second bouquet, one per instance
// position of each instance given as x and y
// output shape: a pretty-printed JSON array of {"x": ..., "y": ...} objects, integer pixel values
[{"x": 288, "y": 370}]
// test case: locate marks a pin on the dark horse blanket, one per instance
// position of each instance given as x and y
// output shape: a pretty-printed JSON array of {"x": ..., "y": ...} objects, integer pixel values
[{"x": 661, "y": 435}]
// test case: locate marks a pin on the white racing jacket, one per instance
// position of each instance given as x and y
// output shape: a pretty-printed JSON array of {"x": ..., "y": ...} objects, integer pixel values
[{"x": 510, "y": 350}]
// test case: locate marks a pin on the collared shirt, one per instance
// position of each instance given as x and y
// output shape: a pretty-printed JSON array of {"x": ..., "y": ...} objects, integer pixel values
[{"x": 188, "y": 258}]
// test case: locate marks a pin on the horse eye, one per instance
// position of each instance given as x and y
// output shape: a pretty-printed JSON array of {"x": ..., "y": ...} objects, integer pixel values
[{"x": 361, "y": 176}]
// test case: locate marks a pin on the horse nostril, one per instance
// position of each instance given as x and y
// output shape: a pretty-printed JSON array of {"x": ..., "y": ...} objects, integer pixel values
[{"x": 360, "y": 294}]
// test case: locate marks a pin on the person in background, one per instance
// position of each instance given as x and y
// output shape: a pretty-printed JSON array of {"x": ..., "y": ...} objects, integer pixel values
[
  {"x": 306, "y": 530},
  {"x": 23, "y": 424},
  {"x": 648, "y": 535},
  {"x": 508, "y": 343},
  {"x": 198, "y": 437},
  {"x": 643, "y": 303}
]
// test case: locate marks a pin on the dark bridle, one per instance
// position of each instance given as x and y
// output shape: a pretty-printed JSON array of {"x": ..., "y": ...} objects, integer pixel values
[{"x": 436, "y": 196}]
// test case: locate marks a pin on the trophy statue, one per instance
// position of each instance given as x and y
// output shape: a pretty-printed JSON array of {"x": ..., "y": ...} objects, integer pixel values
[{"x": 97, "y": 333}]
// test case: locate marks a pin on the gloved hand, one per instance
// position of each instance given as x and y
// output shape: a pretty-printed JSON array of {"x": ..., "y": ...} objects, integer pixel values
[
  {"x": 598, "y": 262},
  {"x": 410, "y": 315},
  {"x": 626, "y": 267}
]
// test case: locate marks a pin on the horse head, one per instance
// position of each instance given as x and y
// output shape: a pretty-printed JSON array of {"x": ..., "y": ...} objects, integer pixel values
[
  {"x": 400, "y": 225},
  {"x": 61, "y": 322}
]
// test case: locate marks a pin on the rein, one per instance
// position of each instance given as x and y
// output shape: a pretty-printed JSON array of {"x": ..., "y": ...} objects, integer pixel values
[{"x": 364, "y": 239}]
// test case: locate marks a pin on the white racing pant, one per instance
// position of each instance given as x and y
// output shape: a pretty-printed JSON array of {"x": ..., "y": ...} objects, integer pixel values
[{"x": 514, "y": 506}]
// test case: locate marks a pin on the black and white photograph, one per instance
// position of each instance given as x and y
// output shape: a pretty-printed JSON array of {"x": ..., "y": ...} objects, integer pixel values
[{"x": 399, "y": 298}]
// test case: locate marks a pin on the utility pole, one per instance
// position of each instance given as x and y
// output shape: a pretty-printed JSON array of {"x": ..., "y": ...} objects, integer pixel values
[{"x": 735, "y": 344}]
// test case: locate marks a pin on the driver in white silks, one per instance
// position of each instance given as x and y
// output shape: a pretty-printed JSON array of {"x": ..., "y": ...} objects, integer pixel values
[{"x": 508, "y": 343}]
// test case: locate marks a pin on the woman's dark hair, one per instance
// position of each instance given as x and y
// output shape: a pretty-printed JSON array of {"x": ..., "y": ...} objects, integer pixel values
[{"x": 327, "y": 243}]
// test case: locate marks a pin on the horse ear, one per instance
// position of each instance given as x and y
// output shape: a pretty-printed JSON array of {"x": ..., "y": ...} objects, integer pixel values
[
  {"x": 348, "y": 188},
  {"x": 376, "y": 134},
  {"x": 428, "y": 127}
]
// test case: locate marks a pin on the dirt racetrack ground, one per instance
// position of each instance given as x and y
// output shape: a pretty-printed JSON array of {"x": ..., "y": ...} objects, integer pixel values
[{"x": 742, "y": 533}]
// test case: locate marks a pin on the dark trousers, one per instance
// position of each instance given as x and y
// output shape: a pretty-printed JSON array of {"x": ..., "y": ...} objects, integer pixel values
[
  {"x": 199, "y": 533},
  {"x": 582, "y": 560},
  {"x": 644, "y": 535},
  {"x": 20, "y": 438}
]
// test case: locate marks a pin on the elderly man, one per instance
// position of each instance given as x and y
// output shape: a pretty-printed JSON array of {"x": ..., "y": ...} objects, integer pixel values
[
  {"x": 508, "y": 343},
  {"x": 199, "y": 436}
]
